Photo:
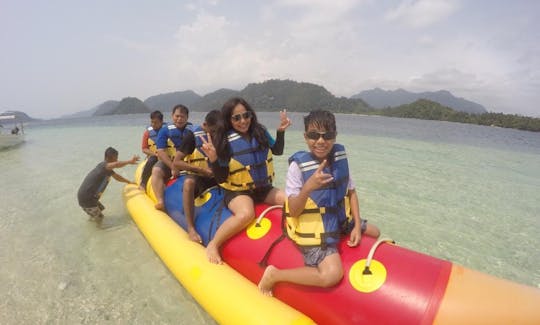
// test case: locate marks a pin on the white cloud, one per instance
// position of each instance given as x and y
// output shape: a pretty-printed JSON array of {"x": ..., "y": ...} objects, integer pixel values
[{"x": 422, "y": 13}]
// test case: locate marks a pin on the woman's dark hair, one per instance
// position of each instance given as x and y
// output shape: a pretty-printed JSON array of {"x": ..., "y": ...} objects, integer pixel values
[{"x": 256, "y": 130}]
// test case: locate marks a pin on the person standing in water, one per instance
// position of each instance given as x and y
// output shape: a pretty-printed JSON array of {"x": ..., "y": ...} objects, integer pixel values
[{"x": 95, "y": 183}]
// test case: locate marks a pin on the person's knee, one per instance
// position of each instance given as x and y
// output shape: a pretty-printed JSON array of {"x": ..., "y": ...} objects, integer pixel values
[
  {"x": 245, "y": 216},
  {"x": 189, "y": 183},
  {"x": 158, "y": 174},
  {"x": 373, "y": 231},
  {"x": 332, "y": 277},
  {"x": 280, "y": 198}
]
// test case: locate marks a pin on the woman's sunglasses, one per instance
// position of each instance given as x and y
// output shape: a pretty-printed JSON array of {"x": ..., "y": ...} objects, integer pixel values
[
  {"x": 246, "y": 116},
  {"x": 314, "y": 135}
]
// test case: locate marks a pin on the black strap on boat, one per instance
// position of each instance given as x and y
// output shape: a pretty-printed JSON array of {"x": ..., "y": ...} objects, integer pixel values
[{"x": 264, "y": 261}]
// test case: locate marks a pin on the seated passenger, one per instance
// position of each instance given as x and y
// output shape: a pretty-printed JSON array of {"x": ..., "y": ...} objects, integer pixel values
[
  {"x": 163, "y": 170},
  {"x": 319, "y": 179},
  {"x": 241, "y": 158},
  {"x": 148, "y": 146},
  {"x": 189, "y": 157}
]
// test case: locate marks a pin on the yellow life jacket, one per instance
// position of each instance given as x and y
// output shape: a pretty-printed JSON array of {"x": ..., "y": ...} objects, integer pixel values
[{"x": 197, "y": 157}]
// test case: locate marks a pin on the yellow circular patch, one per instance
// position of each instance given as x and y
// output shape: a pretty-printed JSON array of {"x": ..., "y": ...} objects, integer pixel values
[
  {"x": 200, "y": 200},
  {"x": 367, "y": 282},
  {"x": 255, "y": 231}
]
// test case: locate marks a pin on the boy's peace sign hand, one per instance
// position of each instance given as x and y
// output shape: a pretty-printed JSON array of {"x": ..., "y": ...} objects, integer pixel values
[
  {"x": 208, "y": 147},
  {"x": 319, "y": 178}
]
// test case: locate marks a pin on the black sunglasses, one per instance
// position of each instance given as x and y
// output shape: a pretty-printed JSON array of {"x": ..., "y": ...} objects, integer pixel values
[
  {"x": 246, "y": 115},
  {"x": 314, "y": 135}
]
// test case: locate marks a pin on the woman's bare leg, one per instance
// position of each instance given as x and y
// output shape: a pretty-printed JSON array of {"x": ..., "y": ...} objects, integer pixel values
[{"x": 243, "y": 211}]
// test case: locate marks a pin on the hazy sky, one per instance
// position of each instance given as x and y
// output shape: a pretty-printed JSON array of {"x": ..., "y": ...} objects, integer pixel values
[{"x": 64, "y": 56}]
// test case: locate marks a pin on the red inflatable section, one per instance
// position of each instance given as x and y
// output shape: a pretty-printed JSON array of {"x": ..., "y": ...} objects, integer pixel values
[{"x": 411, "y": 293}]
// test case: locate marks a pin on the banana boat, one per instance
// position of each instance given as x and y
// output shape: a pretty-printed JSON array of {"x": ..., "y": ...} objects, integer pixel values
[{"x": 383, "y": 283}]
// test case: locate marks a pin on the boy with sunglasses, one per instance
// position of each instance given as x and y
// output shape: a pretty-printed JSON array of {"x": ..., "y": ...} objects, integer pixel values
[{"x": 321, "y": 206}]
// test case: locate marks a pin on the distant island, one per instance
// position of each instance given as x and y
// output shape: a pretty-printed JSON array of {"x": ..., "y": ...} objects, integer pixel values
[
  {"x": 19, "y": 116},
  {"x": 274, "y": 95}
]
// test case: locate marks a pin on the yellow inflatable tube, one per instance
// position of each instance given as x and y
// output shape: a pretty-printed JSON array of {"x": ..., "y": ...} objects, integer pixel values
[{"x": 226, "y": 295}]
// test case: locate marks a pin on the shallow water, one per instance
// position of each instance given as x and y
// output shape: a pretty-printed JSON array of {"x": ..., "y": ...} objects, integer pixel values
[{"x": 465, "y": 193}]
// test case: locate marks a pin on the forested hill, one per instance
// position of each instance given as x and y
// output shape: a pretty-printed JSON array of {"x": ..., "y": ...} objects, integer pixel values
[
  {"x": 275, "y": 95},
  {"x": 428, "y": 110},
  {"x": 379, "y": 98}
]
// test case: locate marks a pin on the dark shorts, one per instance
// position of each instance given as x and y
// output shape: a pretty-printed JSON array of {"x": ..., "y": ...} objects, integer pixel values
[
  {"x": 166, "y": 170},
  {"x": 95, "y": 211},
  {"x": 315, "y": 255},
  {"x": 258, "y": 195},
  {"x": 202, "y": 183}
]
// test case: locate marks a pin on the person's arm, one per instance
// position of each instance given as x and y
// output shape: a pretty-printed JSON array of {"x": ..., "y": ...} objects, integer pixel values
[
  {"x": 120, "y": 178},
  {"x": 356, "y": 233},
  {"x": 187, "y": 148},
  {"x": 279, "y": 144},
  {"x": 144, "y": 145},
  {"x": 161, "y": 145},
  {"x": 120, "y": 164}
]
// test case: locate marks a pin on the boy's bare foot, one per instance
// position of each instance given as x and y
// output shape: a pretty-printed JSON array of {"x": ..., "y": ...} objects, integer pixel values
[
  {"x": 99, "y": 221},
  {"x": 267, "y": 280},
  {"x": 159, "y": 206},
  {"x": 213, "y": 253},
  {"x": 194, "y": 236}
]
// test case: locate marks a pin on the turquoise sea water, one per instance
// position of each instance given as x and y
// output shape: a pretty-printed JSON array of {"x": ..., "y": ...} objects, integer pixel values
[{"x": 465, "y": 193}]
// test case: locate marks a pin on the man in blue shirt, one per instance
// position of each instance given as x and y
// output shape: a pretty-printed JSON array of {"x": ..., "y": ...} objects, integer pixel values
[{"x": 164, "y": 169}]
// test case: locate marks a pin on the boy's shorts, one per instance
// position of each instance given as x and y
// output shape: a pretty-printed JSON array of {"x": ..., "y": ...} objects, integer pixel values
[
  {"x": 258, "y": 195},
  {"x": 315, "y": 255},
  {"x": 95, "y": 212},
  {"x": 166, "y": 170},
  {"x": 202, "y": 183}
]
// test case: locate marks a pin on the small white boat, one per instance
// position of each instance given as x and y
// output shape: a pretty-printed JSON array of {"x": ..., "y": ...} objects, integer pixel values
[{"x": 10, "y": 137}]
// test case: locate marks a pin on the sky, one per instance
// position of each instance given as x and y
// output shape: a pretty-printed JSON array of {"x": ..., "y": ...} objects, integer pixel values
[{"x": 64, "y": 56}]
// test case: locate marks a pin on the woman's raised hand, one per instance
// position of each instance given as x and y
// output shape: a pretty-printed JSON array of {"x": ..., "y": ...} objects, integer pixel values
[{"x": 285, "y": 122}]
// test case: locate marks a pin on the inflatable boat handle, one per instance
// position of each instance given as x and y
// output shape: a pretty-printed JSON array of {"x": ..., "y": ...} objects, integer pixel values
[
  {"x": 270, "y": 208},
  {"x": 372, "y": 252}
]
